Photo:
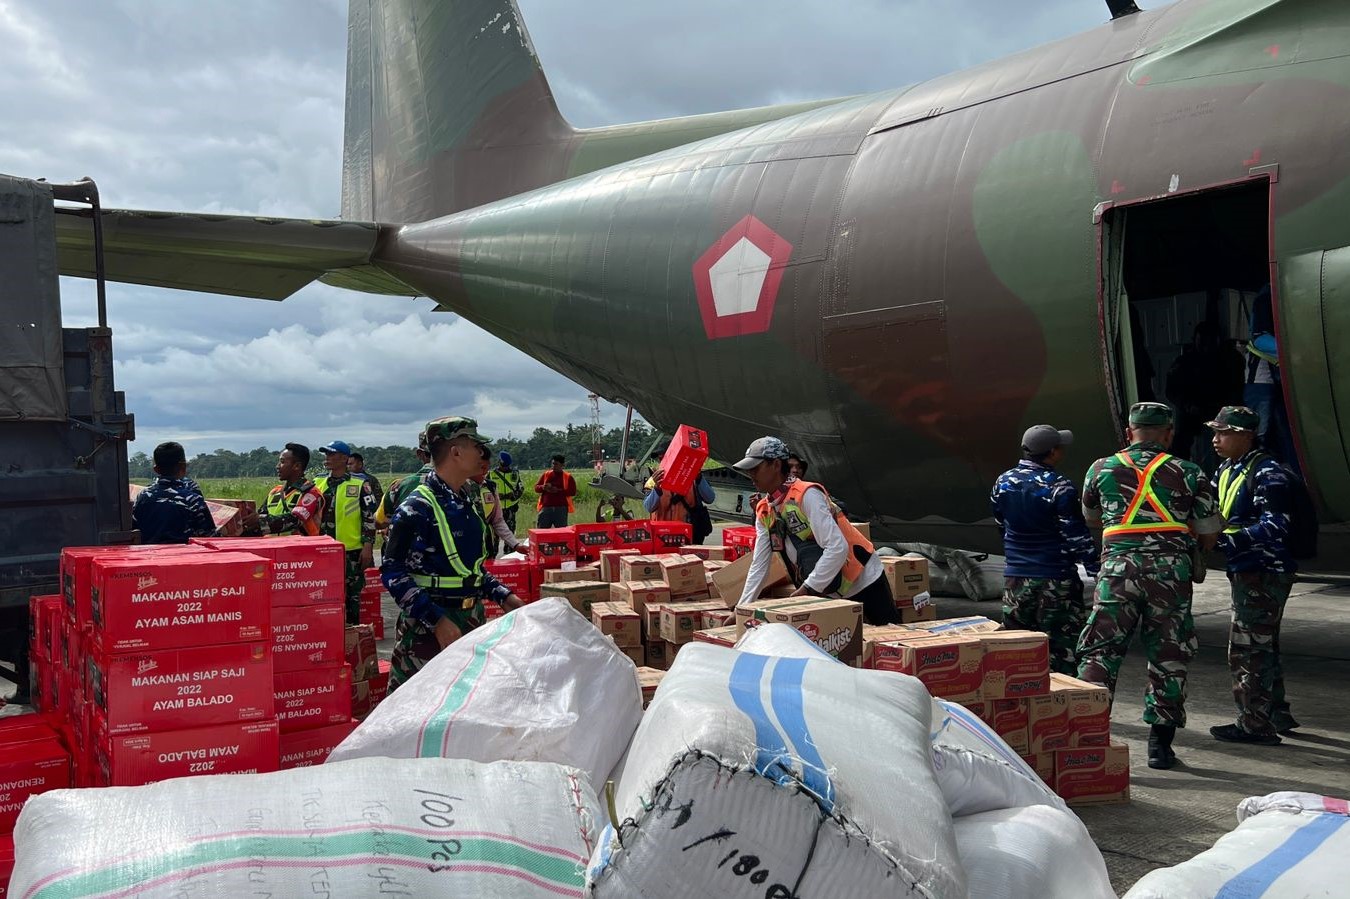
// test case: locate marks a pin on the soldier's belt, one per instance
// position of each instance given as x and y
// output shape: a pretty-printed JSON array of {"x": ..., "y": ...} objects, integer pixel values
[{"x": 445, "y": 582}]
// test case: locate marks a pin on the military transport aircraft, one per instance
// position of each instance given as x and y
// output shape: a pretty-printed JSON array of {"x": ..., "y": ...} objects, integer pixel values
[{"x": 897, "y": 283}]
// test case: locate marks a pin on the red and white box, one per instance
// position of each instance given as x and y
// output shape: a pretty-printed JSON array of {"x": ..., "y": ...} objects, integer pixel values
[
  {"x": 130, "y": 760},
  {"x": 520, "y": 577},
  {"x": 593, "y": 539},
  {"x": 308, "y": 637},
  {"x": 360, "y": 652},
  {"x": 315, "y": 697},
  {"x": 739, "y": 541},
  {"x": 609, "y": 563},
  {"x": 683, "y": 574},
  {"x": 671, "y": 536},
  {"x": 1008, "y": 718},
  {"x": 717, "y": 636},
  {"x": 6, "y": 863},
  {"x": 948, "y": 664},
  {"x": 27, "y": 769},
  {"x": 77, "y": 571},
  {"x": 1075, "y": 713},
  {"x": 304, "y": 748},
  {"x": 370, "y": 612},
  {"x": 180, "y": 688},
  {"x": 618, "y": 622},
  {"x": 684, "y": 459},
  {"x": 145, "y": 603},
  {"x": 635, "y": 535},
  {"x": 305, "y": 570},
  {"x": 372, "y": 579},
  {"x": 1016, "y": 664},
  {"x": 1089, "y": 775},
  {"x": 640, "y": 568},
  {"x": 551, "y": 547}
]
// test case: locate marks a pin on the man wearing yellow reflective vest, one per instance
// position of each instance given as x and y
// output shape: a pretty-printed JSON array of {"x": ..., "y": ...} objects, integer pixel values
[
  {"x": 295, "y": 506},
  {"x": 508, "y": 487},
  {"x": 823, "y": 550},
  {"x": 349, "y": 517},
  {"x": 433, "y": 559},
  {"x": 1153, "y": 508}
]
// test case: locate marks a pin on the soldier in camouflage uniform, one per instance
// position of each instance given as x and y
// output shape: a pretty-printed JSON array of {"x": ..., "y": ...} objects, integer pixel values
[
  {"x": 1153, "y": 508},
  {"x": 1255, "y": 500},
  {"x": 433, "y": 560},
  {"x": 1044, "y": 539}
]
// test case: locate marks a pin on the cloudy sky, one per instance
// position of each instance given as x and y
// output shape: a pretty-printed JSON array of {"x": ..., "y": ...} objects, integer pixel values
[{"x": 236, "y": 107}]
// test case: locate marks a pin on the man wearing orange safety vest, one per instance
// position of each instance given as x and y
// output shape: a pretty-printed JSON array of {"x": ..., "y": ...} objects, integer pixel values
[
  {"x": 825, "y": 553},
  {"x": 555, "y": 488},
  {"x": 1153, "y": 508}
]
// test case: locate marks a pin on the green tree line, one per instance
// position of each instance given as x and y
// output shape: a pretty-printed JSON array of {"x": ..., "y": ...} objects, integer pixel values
[{"x": 575, "y": 442}]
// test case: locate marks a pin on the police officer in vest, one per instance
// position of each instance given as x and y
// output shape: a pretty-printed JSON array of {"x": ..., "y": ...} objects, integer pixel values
[
  {"x": 349, "y": 516},
  {"x": 483, "y": 489},
  {"x": 823, "y": 550},
  {"x": 507, "y": 484},
  {"x": 433, "y": 559},
  {"x": 1153, "y": 508},
  {"x": 293, "y": 507},
  {"x": 1255, "y": 498}
]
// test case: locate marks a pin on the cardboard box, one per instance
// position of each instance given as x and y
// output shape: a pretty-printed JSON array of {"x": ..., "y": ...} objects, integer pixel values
[
  {"x": 864, "y": 528},
  {"x": 671, "y": 536},
  {"x": 359, "y": 651},
  {"x": 610, "y": 569},
  {"x": 581, "y": 594},
  {"x": 907, "y": 577},
  {"x": 648, "y": 680},
  {"x": 641, "y": 568},
  {"x": 1008, "y": 718},
  {"x": 130, "y": 760},
  {"x": 706, "y": 553},
  {"x": 571, "y": 575},
  {"x": 717, "y": 615},
  {"x": 1047, "y": 723},
  {"x": 1016, "y": 664},
  {"x": 77, "y": 572},
  {"x": 680, "y": 620},
  {"x": 308, "y": 637},
  {"x": 304, "y": 748},
  {"x": 948, "y": 664},
  {"x": 519, "y": 576},
  {"x": 636, "y": 654},
  {"x": 912, "y": 615},
  {"x": 683, "y": 574},
  {"x": 634, "y": 535},
  {"x": 305, "y": 570},
  {"x": 1093, "y": 775},
  {"x": 315, "y": 697},
  {"x": 730, "y": 580},
  {"x": 639, "y": 594},
  {"x": 27, "y": 769},
  {"x": 143, "y": 603},
  {"x": 551, "y": 547},
  {"x": 619, "y": 622},
  {"x": 651, "y": 620},
  {"x": 876, "y": 633},
  {"x": 1075, "y": 713},
  {"x": 972, "y": 624},
  {"x": 672, "y": 650},
  {"x": 1043, "y": 763},
  {"x": 684, "y": 458},
  {"x": 593, "y": 539},
  {"x": 181, "y": 688},
  {"x": 656, "y": 654},
  {"x": 717, "y": 636},
  {"x": 835, "y": 625}
]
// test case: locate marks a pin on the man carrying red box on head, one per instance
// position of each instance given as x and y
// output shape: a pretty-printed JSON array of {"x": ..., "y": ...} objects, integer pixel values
[{"x": 437, "y": 546}]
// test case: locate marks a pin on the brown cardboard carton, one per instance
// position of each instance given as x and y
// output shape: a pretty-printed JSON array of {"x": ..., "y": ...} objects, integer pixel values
[
  {"x": 672, "y": 650},
  {"x": 718, "y": 636},
  {"x": 581, "y": 594},
  {"x": 1008, "y": 718},
  {"x": 683, "y": 574},
  {"x": 648, "y": 680},
  {"x": 639, "y": 594},
  {"x": 916, "y": 614},
  {"x": 864, "y": 528},
  {"x": 656, "y": 654},
  {"x": 636, "y": 653},
  {"x": 948, "y": 664},
  {"x": 835, "y": 625},
  {"x": 572, "y": 575},
  {"x": 874, "y": 633},
  {"x": 1093, "y": 775},
  {"x": 1016, "y": 664},
  {"x": 1089, "y": 710},
  {"x": 619, "y": 622},
  {"x": 730, "y": 580},
  {"x": 907, "y": 577},
  {"x": 706, "y": 553},
  {"x": 713, "y": 592},
  {"x": 680, "y": 620},
  {"x": 717, "y": 615},
  {"x": 640, "y": 568},
  {"x": 972, "y": 624},
  {"x": 610, "y": 568},
  {"x": 651, "y": 620},
  {"x": 1043, "y": 763}
]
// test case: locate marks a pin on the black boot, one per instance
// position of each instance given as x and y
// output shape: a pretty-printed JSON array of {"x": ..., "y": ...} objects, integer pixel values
[{"x": 1160, "y": 754}]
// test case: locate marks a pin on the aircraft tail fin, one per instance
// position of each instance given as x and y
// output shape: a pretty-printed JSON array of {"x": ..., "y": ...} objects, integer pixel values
[{"x": 447, "y": 108}]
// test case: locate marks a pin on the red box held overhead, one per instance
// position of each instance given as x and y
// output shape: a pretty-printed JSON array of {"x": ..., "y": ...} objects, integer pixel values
[{"x": 684, "y": 459}]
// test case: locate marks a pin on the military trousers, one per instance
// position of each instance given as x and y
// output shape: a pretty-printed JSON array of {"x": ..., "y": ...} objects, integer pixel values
[
  {"x": 1130, "y": 596},
  {"x": 1053, "y": 606},
  {"x": 1254, "y": 650},
  {"x": 509, "y": 516},
  {"x": 415, "y": 643}
]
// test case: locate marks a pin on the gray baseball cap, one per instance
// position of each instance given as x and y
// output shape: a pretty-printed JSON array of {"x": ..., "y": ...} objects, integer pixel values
[
  {"x": 1040, "y": 439},
  {"x": 761, "y": 449}
]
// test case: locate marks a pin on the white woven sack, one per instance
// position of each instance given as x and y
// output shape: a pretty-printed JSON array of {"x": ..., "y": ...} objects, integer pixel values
[
  {"x": 1037, "y": 851},
  {"x": 1287, "y": 846},
  {"x": 854, "y": 743},
  {"x": 538, "y": 684},
  {"x": 371, "y": 827}
]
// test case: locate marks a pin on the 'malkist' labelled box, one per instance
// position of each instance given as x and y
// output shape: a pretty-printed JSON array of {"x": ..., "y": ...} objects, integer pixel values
[
  {"x": 146, "y": 603},
  {"x": 581, "y": 594},
  {"x": 640, "y": 594},
  {"x": 835, "y": 625},
  {"x": 948, "y": 664},
  {"x": 305, "y": 570},
  {"x": 679, "y": 620},
  {"x": 1015, "y": 664},
  {"x": 683, "y": 574},
  {"x": 305, "y": 748},
  {"x": 130, "y": 760},
  {"x": 180, "y": 688},
  {"x": 619, "y": 622},
  {"x": 314, "y": 697},
  {"x": 1093, "y": 775},
  {"x": 308, "y": 637},
  {"x": 609, "y": 563},
  {"x": 27, "y": 769}
]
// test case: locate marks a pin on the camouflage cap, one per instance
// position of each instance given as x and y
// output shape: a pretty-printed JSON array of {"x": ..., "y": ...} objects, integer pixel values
[
  {"x": 453, "y": 426},
  {"x": 1151, "y": 415},
  {"x": 761, "y": 449},
  {"x": 1235, "y": 418}
]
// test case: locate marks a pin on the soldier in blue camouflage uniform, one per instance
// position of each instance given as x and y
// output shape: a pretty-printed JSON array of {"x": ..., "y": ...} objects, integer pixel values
[
  {"x": 433, "y": 559},
  {"x": 1255, "y": 500},
  {"x": 1153, "y": 508},
  {"x": 1044, "y": 539},
  {"x": 171, "y": 510}
]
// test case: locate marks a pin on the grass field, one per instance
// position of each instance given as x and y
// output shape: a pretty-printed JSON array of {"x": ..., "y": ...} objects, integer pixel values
[{"x": 585, "y": 501}]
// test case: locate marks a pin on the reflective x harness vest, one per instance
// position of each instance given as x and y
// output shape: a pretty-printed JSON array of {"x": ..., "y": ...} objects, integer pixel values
[
  {"x": 1229, "y": 488},
  {"x": 280, "y": 500},
  {"x": 795, "y": 526},
  {"x": 464, "y": 577},
  {"x": 1144, "y": 494},
  {"x": 346, "y": 510}
]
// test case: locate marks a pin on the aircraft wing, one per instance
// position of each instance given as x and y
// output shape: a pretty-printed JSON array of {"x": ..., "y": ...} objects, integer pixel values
[{"x": 239, "y": 255}]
